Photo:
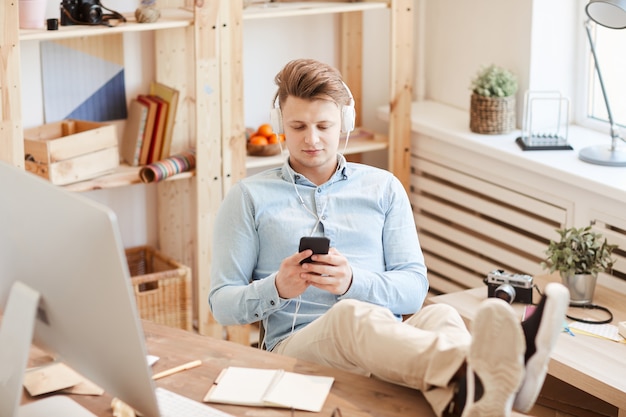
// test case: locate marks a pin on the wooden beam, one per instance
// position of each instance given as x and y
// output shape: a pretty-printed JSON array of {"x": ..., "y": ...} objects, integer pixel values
[
  {"x": 208, "y": 155},
  {"x": 11, "y": 132},
  {"x": 401, "y": 90}
]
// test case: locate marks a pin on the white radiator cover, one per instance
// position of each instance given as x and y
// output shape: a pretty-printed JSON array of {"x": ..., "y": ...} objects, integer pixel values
[{"x": 480, "y": 203}]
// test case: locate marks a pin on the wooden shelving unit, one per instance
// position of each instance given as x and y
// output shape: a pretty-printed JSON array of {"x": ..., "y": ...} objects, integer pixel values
[
  {"x": 198, "y": 45},
  {"x": 186, "y": 42}
]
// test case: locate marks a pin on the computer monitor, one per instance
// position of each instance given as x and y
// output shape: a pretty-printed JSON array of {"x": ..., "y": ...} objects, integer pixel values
[{"x": 64, "y": 276}]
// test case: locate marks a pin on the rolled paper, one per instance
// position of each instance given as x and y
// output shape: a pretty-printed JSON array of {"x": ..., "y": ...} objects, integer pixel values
[{"x": 175, "y": 164}]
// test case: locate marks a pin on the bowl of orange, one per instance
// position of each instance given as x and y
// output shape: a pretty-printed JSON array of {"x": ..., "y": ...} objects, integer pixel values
[{"x": 263, "y": 141}]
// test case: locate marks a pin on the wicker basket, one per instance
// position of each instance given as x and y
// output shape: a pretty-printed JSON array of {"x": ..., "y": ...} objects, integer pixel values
[
  {"x": 492, "y": 115},
  {"x": 162, "y": 287}
]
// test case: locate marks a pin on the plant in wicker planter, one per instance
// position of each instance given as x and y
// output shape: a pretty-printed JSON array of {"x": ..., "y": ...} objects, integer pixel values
[
  {"x": 492, "y": 108},
  {"x": 578, "y": 256}
]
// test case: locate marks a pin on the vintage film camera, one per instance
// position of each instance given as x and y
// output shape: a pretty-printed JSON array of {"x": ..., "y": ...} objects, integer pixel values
[
  {"x": 510, "y": 287},
  {"x": 78, "y": 12},
  {"x": 86, "y": 12}
]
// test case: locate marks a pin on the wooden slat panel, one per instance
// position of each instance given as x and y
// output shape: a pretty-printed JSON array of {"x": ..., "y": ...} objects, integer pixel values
[
  {"x": 481, "y": 226},
  {"x": 478, "y": 186},
  {"x": 455, "y": 275},
  {"x": 479, "y": 264},
  {"x": 441, "y": 285},
  {"x": 477, "y": 244},
  {"x": 469, "y": 226},
  {"x": 499, "y": 211}
]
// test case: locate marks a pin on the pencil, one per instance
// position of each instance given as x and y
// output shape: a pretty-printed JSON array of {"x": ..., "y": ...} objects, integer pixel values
[{"x": 176, "y": 369}]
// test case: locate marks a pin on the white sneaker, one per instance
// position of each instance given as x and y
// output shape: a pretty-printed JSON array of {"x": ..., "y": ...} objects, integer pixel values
[
  {"x": 496, "y": 357},
  {"x": 556, "y": 299}
]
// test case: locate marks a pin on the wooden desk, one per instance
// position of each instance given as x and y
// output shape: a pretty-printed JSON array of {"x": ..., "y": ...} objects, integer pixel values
[
  {"x": 593, "y": 365},
  {"x": 354, "y": 395}
]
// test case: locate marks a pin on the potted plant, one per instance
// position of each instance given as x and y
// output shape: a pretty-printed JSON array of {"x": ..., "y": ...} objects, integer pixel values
[
  {"x": 492, "y": 107},
  {"x": 578, "y": 256}
]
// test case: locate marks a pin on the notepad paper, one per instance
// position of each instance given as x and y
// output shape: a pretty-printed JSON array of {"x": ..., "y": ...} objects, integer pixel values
[
  {"x": 270, "y": 388},
  {"x": 605, "y": 331}
]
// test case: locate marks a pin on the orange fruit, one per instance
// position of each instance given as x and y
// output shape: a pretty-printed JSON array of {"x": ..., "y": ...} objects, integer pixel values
[
  {"x": 258, "y": 140},
  {"x": 265, "y": 130},
  {"x": 273, "y": 138},
  {"x": 281, "y": 137}
]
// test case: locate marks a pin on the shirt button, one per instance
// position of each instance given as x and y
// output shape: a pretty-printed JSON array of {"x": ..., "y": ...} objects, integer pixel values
[
  {"x": 256, "y": 315},
  {"x": 323, "y": 217},
  {"x": 319, "y": 190},
  {"x": 272, "y": 302}
]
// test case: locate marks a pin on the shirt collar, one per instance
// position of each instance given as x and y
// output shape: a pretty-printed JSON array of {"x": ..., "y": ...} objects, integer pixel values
[{"x": 288, "y": 173}]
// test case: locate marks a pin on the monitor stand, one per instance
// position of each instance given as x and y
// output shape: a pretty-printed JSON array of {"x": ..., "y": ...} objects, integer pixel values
[{"x": 16, "y": 335}]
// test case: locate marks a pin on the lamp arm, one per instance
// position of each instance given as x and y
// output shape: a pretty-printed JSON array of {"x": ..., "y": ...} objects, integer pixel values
[{"x": 614, "y": 130}]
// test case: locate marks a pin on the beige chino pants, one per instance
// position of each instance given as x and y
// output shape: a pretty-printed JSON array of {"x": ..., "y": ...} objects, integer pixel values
[{"x": 423, "y": 352}]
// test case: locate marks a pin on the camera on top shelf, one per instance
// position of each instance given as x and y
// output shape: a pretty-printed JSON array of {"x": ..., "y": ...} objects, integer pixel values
[
  {"x": 81, "y": 12},
  {"x": 510, "y": 287}
]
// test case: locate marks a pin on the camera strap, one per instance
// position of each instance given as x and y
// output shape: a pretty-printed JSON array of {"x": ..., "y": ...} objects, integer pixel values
[
  {"x": 588, "y": 306},
  {"x": 591, "y": 307},
  {"x": 112, "y": 15}
]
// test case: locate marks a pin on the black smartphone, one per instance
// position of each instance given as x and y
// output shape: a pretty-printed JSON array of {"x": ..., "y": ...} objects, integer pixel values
[{"x": 316, "y": 243}]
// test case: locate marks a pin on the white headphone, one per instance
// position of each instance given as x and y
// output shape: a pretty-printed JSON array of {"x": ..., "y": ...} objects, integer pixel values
[{"x": 348, "y": 115}]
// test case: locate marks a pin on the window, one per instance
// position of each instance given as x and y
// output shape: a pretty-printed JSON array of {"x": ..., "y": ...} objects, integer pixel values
[{"x": 609, "y": 44}]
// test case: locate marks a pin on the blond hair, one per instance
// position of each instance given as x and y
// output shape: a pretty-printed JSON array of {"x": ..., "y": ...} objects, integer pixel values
[{"x": 309, "y": 79}]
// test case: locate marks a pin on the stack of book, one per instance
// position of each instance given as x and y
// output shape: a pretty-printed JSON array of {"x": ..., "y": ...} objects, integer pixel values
[{"x": 148, "y": 131}]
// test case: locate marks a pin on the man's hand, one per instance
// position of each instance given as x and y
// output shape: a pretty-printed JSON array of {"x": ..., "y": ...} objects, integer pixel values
[
  {"x": 330, "y": 272},
  {"x": 289, "y": 282}
]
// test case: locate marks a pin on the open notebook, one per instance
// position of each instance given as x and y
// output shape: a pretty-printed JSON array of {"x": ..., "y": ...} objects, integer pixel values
[{"x": 270, "y": 388}]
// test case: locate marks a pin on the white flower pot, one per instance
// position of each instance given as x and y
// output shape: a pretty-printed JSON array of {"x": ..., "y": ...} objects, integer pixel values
[{"x": 32, "y": 13}]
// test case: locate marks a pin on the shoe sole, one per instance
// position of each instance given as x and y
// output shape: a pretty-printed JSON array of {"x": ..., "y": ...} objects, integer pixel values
[
  {"x": 497, "y": 357},
  {"x": 550, "y": 326}
]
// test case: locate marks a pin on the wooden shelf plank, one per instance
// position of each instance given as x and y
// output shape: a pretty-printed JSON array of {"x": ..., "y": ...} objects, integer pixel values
[
  {"x": 355, "y": 145},
  {"x": 123, "y": 176},
  {"x": 303, "y": 8},
  {"x": 170, "y": 18}
]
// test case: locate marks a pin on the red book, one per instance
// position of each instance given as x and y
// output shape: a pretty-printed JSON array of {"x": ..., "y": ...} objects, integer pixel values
[
  {"x": 149, "y": 129},
  {"x": 171, "y": 95},
  {"x": 159, "y": 128}
]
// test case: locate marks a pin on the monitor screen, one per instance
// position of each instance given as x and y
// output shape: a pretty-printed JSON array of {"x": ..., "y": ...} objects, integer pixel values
[{"x": 67, "y": 249}]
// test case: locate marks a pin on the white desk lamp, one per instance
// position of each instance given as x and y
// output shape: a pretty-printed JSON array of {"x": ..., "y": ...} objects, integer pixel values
[{"x": 611, "y": 14}]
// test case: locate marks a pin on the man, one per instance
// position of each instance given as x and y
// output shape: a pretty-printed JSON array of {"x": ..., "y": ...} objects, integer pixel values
[{"x": 344, "y": 309}]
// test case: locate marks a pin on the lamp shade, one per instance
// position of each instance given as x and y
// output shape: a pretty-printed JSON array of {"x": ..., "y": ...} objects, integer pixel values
[{"x": 608, "y": 13}]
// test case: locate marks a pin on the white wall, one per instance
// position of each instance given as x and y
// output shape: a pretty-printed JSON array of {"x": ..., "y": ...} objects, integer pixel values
[{"x": 539, "y": 40}]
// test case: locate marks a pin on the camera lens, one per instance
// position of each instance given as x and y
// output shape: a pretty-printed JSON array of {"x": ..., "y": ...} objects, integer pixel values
[
  {"x": 505, "y": 292},
  {"x": 91, "y": 13}
]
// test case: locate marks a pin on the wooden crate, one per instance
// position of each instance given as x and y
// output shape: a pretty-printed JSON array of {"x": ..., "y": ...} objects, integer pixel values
[
  {"x": 162, "y": 287},
  {"x": 71, "y": 150}
]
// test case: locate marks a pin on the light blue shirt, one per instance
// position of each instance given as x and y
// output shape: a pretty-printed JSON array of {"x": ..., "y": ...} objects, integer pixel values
[{"x": 364, "y": 211}]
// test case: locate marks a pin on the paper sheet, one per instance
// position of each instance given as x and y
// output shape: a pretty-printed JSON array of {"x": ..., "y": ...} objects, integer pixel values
[{"x": 605, "y": 331}]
